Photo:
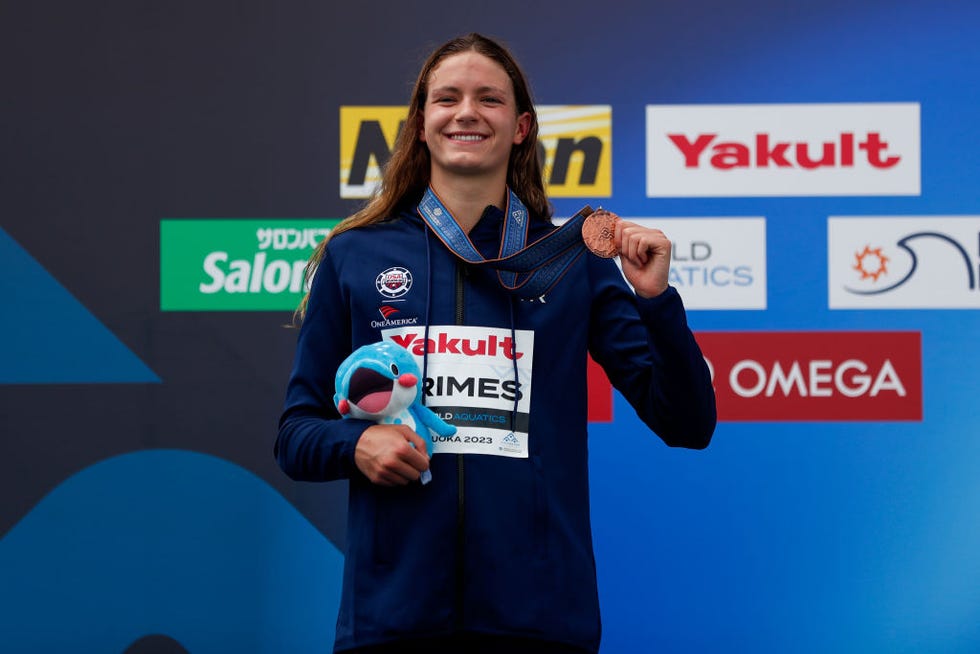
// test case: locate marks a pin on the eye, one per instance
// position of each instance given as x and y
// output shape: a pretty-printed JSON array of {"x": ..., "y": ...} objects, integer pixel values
[{"x": 394, "y": 369}]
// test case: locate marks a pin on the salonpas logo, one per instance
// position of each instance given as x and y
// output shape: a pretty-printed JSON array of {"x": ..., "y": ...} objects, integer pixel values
[{"x": 236, "y": 265}]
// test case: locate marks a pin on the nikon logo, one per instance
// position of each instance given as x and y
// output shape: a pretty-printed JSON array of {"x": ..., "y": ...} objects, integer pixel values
[
  {"x": 574, "y": 145},
  {"x": 236, "y": 265}
]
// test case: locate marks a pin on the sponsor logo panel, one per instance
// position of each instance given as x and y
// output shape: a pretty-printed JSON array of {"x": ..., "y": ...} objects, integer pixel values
[
  {"x": 904, "y": 262},
  {"x": 367, "y": 135},
  {"x": 577, "y": 150},
  {"x": 815, "y": 376},
  {"x": 575, "y": 146},
  {"x": 236, "y": 265},
  {"x": 716, "y": 263},
  {"x": 783, "y": 150}
]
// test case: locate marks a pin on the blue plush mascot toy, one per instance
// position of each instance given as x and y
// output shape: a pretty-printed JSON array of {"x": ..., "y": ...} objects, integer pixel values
[{"x": 382, "y": 382}]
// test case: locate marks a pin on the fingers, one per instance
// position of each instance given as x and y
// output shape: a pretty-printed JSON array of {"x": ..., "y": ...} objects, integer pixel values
[
  {"x": 401, "y": 465},
  {"x": 639, "y": 244},
  {"x": 391, "y": 455},
  {"x": 645, "y": 258},
  {"x": 418, "y": 443}
]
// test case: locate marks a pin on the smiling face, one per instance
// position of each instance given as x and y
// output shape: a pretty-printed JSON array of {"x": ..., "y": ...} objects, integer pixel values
[{"x": 470, "y": 121}]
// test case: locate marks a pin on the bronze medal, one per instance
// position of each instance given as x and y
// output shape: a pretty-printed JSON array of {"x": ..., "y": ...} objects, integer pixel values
[{"x": 599, "y": 233}]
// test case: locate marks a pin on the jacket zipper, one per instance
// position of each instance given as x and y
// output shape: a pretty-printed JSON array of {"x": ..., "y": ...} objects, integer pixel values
[{"x": 461, "y": 273}]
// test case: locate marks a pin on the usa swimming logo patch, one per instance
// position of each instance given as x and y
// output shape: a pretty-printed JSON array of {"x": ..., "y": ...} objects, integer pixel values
[{"x": 394, "y": 282}]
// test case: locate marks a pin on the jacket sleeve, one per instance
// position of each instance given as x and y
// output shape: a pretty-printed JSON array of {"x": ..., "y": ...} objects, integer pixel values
[
  {"x": 652, "y": 358},
  {"x": 314, "y": 443}
]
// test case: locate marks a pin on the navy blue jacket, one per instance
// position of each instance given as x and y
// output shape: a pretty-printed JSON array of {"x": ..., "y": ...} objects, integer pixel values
[{"x": 494, "y": 544}]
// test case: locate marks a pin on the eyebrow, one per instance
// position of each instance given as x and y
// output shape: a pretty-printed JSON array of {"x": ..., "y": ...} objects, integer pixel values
[{"x": 456, "y": 89}]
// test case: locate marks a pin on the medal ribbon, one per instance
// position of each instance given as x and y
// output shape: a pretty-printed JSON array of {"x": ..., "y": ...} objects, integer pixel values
[{"x": 528, "y": 271}]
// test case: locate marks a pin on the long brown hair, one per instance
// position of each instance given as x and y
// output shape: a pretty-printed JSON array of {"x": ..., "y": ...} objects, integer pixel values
[{"x": 406, "y": 174}]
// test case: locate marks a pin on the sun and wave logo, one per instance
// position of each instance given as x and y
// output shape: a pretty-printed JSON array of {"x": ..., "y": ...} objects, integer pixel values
[
  {"x": 871, "y": 263},
  {"x": 904, "y": 263}
]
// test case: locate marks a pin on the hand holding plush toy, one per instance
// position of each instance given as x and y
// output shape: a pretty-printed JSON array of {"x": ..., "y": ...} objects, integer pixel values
[{"x": 382, "y": 382}]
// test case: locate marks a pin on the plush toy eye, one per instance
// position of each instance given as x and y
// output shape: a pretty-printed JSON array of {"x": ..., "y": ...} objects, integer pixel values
[{"x": 394, "y": 370}]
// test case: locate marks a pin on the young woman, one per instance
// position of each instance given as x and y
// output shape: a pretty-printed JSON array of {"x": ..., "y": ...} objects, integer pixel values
[{"x": 495, "y": 553}]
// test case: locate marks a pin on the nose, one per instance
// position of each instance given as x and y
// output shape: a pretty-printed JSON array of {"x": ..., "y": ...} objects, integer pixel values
[{"x": 466, "y": 109}]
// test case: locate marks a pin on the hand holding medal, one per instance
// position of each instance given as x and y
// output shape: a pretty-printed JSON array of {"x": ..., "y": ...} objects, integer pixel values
[{"x": 644, "y": 253}]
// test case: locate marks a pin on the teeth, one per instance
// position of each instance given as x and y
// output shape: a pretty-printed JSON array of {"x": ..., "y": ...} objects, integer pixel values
[{"x": 467, "y": 137}]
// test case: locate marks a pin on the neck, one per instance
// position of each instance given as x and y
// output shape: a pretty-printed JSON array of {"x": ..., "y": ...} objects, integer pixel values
[{"x": 467, "y": 198}]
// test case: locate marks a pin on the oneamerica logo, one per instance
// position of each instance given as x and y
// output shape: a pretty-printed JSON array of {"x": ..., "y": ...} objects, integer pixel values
[
  {"x": 783, "y": 150},
  {"x": 387, "y": 311},
  {"x": 398, "y": 322}
]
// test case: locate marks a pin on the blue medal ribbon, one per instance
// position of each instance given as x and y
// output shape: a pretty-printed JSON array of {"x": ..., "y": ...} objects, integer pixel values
[{"x": 528, "y": 271}]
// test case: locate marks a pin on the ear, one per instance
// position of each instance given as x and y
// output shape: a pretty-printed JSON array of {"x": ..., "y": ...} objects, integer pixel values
[{"x": 523, "y": 127}]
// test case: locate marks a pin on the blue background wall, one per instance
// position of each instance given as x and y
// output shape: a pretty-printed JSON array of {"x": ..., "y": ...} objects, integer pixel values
[{"x": 139, "y": 494}]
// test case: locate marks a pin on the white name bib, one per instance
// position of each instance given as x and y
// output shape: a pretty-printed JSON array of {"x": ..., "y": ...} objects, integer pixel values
[{"x": 470, "y": 384}]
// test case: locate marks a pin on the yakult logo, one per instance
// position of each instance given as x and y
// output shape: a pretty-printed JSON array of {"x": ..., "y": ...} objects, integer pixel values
[
  {"x": 815, "y": 376},
  {"x": 764, "y": 152},
  {"x": 771, "y": 150},
  {"x": 486, "y": 346}
]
